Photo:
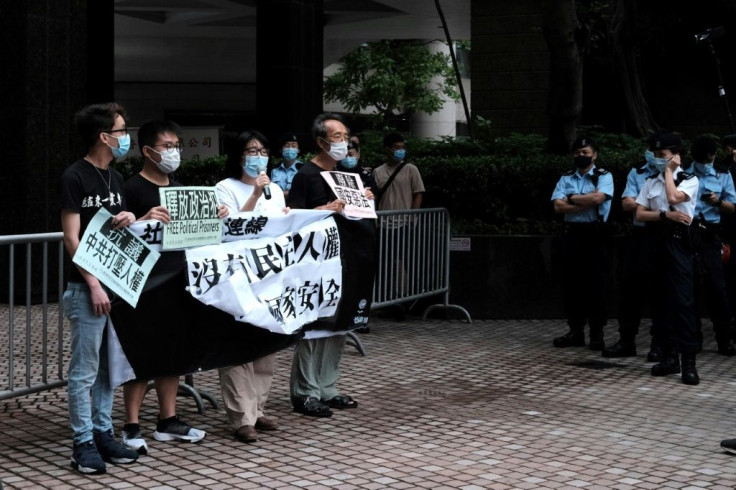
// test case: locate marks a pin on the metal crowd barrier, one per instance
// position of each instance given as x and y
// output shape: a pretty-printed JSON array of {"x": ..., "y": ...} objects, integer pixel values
[
  {"x": 414, "y": 258},
  {"x": 34, "y": 337}
]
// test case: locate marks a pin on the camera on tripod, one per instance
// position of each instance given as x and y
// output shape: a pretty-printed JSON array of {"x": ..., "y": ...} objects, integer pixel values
[{"x": 709, "y": 35}]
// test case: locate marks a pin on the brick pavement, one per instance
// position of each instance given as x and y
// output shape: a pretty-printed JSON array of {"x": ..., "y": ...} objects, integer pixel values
[{"x": 443, "y": 404}]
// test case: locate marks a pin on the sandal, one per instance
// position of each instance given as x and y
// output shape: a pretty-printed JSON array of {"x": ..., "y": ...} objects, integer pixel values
[
  {"x": 313, "y": 407},
  {"x": 341, "y": 402}
]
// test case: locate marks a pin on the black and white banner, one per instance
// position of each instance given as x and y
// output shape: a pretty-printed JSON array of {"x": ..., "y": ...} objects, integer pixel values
[{"x": 273, "y": 280}]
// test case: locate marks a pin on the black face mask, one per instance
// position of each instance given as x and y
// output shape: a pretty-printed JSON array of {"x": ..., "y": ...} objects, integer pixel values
[{"x": 582, "y": 161}]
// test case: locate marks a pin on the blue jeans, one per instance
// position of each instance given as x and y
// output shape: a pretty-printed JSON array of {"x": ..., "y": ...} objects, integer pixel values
[{"x": 89, "y": 391}]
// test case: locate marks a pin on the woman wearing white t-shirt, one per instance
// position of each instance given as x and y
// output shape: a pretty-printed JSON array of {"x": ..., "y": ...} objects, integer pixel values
[{"x": 245, "y": 387}]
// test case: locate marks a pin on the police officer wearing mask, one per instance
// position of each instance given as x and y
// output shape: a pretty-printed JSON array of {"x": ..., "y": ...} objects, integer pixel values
[
  {"x": 716, "y": 197},
  {"x": 284, "y": 173},
  {"x": 667, "y": 204},
  {"x": 351, "y": 164},
  {"x": 633, "y": 286},
  {"x": 583, "y": 195}
]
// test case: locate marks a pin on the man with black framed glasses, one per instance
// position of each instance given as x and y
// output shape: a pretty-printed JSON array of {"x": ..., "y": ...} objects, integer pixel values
[{"x": 160, "y": 146}]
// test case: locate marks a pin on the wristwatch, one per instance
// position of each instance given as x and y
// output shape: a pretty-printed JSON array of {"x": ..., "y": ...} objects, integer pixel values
[
  {"x": 569, "y": 199},
  {"x": 663, "y": 215}
]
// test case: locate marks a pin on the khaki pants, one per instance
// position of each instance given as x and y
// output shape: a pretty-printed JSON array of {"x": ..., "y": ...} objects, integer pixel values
[
  {"x": 316, "y": 367},
  {"x": 245, "y": 390}
]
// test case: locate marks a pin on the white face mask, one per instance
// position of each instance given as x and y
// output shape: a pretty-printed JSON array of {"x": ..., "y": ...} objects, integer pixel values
[
  {"x": 170, "y": 160},
  {"x": 338, "y": 151}
]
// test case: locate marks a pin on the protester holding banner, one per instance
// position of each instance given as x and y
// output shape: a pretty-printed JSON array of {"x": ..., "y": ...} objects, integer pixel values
[
  {"x": 316, "y": 364},
  {"x": 160, "y": 146},
  {"x": 88, "y": 185},
  {"x": 245, "y": 387}
]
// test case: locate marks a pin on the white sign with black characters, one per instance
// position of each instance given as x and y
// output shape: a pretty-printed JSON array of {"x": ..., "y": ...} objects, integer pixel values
[
  {"x": 348, "y": 187},
  {"x": 118, "y": 258}
]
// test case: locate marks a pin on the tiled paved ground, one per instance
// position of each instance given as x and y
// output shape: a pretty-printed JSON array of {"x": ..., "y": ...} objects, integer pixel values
[{"x": 443, "y": 404}]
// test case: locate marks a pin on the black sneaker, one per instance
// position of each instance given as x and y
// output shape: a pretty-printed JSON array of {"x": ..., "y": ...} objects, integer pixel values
[
  {"x": 173, "y": 429},
  {"x": 112, "y": 451},
  {"x": 87, "y": 460},
  {"x": 729, "y": 445},
  {"x": 132, "y": 439}
]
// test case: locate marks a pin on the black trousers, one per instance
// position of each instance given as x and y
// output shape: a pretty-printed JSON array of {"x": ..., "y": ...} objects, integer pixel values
[
  {"x": 585, "y": 266},
  {"x": 673, "y": 288},
  {"x": 633, "y": 291},
  {"x": 711, "y": 284}
]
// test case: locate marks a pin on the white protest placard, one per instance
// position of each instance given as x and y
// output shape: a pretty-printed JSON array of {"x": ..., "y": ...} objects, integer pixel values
[
  {"x": 279, "y": 283},
  {"x": 348, "y": 187},
  {"x": 117, "y": 258},
  {"x": 193, "y": 214}
]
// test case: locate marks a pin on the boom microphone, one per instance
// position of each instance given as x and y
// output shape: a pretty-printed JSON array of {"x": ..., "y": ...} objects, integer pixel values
[{"x": 266, "y": 190}]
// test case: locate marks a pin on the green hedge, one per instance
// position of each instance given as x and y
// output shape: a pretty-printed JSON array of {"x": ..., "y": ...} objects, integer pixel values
[{"x": 498, "y": 186}]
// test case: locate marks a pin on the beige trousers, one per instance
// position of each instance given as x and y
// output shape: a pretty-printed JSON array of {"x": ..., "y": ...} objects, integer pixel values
[{"x": 245, "y": 390}]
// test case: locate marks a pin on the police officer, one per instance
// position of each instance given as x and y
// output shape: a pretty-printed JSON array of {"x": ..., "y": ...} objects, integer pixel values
[
  {"x": 583, "y": 195},
  {"x": 633, "y": 285},
  {"x": 716, "y": 197},
  {"x": 667, "y": 204}
]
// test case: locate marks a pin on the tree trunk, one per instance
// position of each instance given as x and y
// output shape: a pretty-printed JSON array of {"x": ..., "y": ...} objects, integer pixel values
[
  {"x": 565, "y": 102},
  {"x": 627, "y": 67}
]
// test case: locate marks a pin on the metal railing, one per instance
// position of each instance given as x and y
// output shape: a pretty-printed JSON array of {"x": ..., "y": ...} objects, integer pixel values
[
  {"x": 43, "y": 323},
  {"x": 413, "y": 258}
]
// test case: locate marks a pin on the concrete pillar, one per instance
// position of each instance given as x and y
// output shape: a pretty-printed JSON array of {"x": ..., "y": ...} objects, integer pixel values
[
  {"x": 442, "y": 122},
  {"x": 46, "y": 50},
  {"x": 289, "y": 64}
]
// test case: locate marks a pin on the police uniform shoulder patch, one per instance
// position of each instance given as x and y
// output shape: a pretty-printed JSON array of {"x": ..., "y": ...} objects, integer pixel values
[
  {"x": 687, "y": 175},
  {"x": 569, "y": 172},
  {"x": 641, "y": 167},
  {"x": 600, "y": 171}
]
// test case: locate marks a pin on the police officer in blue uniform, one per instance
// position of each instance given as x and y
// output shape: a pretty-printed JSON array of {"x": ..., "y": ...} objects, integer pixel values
[
  {"x": 666, "y": 204},
  {"x": 716, "y": 197},
  {"x": 633, "y": 290},
  {"x": 583, "y": 195}
]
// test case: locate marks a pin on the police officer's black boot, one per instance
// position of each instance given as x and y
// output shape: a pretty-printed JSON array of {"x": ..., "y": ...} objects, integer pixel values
[
  {"x": 596, "y": 339},
  {"x": 689, "y": 372},
  {"x": 573, "y": 338},
  {"x": 655, "y": 353},
  {"x": 622, "y": 348},
  {"x": 670, "y": 364}
]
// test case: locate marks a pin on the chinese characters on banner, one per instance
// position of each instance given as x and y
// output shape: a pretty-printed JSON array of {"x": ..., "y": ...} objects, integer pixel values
[
  {"x": 277, "y": 282},
  {"x": 349, "y": 188},
  {"x": 118, "y": 258},
  {"x": 193, "y": 213}
]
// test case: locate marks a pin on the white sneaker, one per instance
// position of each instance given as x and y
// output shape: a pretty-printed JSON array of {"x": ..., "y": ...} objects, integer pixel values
[
  {"x": 177, "y": 430},
  {"x": 132, "y": 439}
]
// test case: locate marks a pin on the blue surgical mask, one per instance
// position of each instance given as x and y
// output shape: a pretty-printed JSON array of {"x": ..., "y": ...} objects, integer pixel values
[
  {"x": 649, "y": 155},
  {"x": 254, "y": 163},
  {"x": 349, "y": 162},
  {"x": 123, "y": 146},
  {"x": 660, "y": 164},
  {"x": 703, "y": 168},
  {"x": 399, "y": 155},
  {"x": 289, "y": 153}
]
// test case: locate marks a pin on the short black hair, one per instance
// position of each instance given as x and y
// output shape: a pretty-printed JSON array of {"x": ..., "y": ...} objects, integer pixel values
[
  {"x": 704, "y": 149},
  {"x": 319, "y": 130},
  {"x": 149, "y": 131},
  {"x": 391, "y": 139},
  {"x": 234, "y": 148},
  {"x": 730, "y": 140},
  {"x": 94, "y": 119}
]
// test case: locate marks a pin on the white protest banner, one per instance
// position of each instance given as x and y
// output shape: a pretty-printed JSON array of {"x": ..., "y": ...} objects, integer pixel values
[
  {"x": 193, "y": 213},
  {"x": 349, "y": 188},
  {"x": 278, "y": 283},
  {"x": 118, "y": 258}
]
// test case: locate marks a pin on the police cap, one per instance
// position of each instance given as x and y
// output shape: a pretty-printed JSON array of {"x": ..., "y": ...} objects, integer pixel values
[
  {"x": 582, "y": 143},
  {"x": 288, "y": 137},
  {"x": 703, "y": 149},
  {"x": 664, "y": 140}
]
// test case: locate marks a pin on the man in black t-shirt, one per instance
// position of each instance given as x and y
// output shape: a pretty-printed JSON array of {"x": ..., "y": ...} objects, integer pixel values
[
  {"x": 316, "y": 364},
  {"x": 160, "y": 146},
  {"x": 86, "y": 186}
]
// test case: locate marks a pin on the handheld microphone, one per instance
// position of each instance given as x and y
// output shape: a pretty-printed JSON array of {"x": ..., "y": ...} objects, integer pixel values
[{"x": 266, "y": 190}]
